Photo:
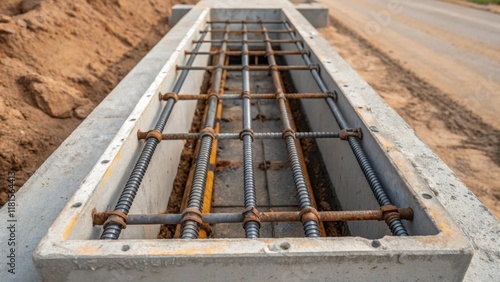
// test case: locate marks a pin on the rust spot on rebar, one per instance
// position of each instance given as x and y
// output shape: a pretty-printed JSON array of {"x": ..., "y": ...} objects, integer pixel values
[
  {"x": 251, "y": 214},
  {"x": 192, "y": 214},
  {"x": 169, "y": 95},
  {"x": 247, "y": 132},
  {"x": 389, "y": 213},
  {"x": 288, "y": 132},
  {"x": 309, "y": 214},
  {"x": 350, "y": 132},
  {"x": 107, "y": 217},
  {"x": 406, "y": 213}
]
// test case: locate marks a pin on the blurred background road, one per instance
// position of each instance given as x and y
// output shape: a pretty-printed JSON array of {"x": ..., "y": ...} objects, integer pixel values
[
  {"x": 455, "y": 48},
  {"x": 438, "y": 65}
]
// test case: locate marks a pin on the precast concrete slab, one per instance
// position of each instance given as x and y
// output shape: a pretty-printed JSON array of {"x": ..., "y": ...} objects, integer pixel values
[{"x": 412, "y": 174}]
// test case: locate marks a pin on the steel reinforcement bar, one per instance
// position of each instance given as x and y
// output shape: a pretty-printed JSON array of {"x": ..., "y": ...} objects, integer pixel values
[
  {"x": 192, "y": 214},
  {"x": 116, "y": 222},
  {"x": 394, "y": 223},
  {"x": 308, "y": 212}
]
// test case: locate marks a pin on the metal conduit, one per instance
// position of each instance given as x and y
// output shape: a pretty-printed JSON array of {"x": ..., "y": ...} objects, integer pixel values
[
  {"x": 311, "y": 228},
  {"x": 113, "y": 229},
  {"x": 395, "y": 225}
]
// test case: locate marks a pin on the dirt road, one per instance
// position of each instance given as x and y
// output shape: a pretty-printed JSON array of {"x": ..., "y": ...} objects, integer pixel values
[
  {"x": 439, "y": 70},
  {"x": 455, "y": 48}
]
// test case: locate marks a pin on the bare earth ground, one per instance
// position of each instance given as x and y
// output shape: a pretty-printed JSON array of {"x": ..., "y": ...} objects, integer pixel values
[
  {"x": 468, "y": 145},
  {"x": 58, "y": 60}
]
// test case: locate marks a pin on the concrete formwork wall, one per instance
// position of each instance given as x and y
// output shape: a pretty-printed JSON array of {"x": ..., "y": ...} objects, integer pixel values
[
  {"x": 351, "y": 186},
  {"x": 156, "y": 186}
]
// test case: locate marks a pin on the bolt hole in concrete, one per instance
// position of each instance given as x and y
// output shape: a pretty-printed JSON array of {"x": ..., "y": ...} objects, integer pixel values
[
  {"x": 376, "y": 243},
  {"x": 125, "y": 248},
  {"x": 105, "y": 162},
  {"x": 285, "y": 246},
  {"x": 133, "y": 119},
  {"x": 76, "y": 205},
  {"x": 426, "y": 196}
]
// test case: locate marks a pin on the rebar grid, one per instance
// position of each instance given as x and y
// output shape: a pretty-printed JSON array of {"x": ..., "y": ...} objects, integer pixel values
[{"x": 191, "y": 217}]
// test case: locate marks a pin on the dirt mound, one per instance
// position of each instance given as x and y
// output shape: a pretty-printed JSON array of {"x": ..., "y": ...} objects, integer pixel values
[{"x": 58, "y": 59}]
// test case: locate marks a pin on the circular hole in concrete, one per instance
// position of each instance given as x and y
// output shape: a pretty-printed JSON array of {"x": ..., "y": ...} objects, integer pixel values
[
  {"x": 426, "y": 196},
  {"x": 125, "y": 248},
  {"x": 76, "y": 205},
  {"x": 285, "y": 246},
  {"x": 105, "y": 162},
  {"x": 133, "y": 119},
  {"x": 376, "y": 243}
]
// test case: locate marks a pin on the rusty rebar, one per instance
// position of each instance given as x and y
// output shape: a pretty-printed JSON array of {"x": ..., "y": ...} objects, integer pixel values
[
  {"x": 288, "y": 216},
  {"x": 308, "y": 212},
  {"x": 234, "y": 136},
  {"x": 249, "y": 41},
  {"x": 250, "y": 53},
  {"x": 239, "y": 68},
  {"x": 268, "y": 96}
]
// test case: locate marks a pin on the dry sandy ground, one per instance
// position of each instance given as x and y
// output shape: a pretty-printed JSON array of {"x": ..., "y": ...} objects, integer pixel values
[
  {"x": 467, "y": 144},
  {"x": 58, "y": 59}
]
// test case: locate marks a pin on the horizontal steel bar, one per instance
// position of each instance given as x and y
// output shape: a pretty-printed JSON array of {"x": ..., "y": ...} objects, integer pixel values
[
  {"x": 212, "y": 218},
  {"x": 262, "y": 135},
  {"x": 250, "y": 53},
  {"x": 248, "y": 41},
  {"x": 250, "y": 31},
  {"x": 252, "y": 68},
  {"x": 247, "y": 21},
  {"x": 267, "y": 96}
]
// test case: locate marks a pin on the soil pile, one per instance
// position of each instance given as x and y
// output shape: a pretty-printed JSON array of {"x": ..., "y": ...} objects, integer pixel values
[{"x": 58, "y": 60}]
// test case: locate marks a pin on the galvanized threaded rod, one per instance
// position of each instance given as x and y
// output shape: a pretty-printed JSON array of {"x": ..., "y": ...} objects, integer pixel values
[
  {"x": 190, "y": 228},
  {"x": 251, "y": 227},
  {"x": 396, "y": 226},
  {"x": 113, "y": 230},
  {"x": 311, "y": 228}
]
